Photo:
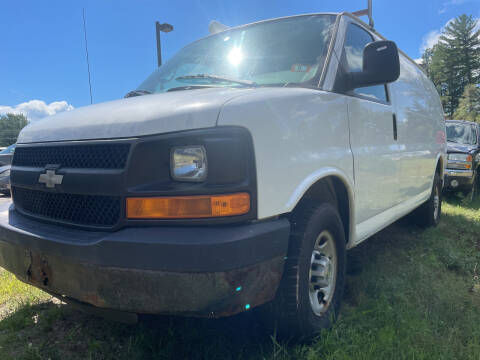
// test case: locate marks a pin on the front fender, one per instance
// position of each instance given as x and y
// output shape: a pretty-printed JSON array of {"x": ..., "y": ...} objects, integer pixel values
[{"x": 299, "y": 135}]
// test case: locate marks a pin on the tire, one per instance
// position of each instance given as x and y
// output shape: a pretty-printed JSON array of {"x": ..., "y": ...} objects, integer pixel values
[
  {"x": 472, "y": 195},
  {"x": 429, "y": 213},
  {"x": 304, "y": 305}
]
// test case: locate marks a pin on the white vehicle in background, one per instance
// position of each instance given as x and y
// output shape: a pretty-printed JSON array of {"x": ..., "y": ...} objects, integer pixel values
[{"x": 256, "y": 157}]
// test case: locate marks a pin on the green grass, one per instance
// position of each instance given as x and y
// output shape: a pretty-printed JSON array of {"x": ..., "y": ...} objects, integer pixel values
[{"x": 410, "y": 294}]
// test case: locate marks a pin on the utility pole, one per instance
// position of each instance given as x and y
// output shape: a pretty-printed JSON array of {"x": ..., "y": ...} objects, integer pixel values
[
  {"x": 86, "y": 51},
  {"x": 161, "y": 28}
]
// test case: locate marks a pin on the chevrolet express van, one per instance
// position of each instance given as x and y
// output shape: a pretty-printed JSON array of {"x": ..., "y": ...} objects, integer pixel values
[{"x": 246, "y": 167}]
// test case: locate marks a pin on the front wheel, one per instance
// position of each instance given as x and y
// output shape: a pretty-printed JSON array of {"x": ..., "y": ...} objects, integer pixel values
[
  {"x": 472, "y": 195},
  {"x": 312, "y": 286},
  {"x": 430, "y": 212}
]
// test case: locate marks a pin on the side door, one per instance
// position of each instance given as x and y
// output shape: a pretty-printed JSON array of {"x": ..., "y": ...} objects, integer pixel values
[
  {"x": 419, "y": 131},
  {"x": 372, "y": 137}
]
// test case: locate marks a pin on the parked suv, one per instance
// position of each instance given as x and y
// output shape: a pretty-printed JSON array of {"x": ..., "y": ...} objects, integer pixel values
[
  {"x": 463, "y": 139},
  {"x": 6, "y": 155},
  {"x": 254, "y": 159}
]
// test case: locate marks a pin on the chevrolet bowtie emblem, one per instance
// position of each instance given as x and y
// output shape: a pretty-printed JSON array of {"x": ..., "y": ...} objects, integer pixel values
[{"x": 50, "y": 179}]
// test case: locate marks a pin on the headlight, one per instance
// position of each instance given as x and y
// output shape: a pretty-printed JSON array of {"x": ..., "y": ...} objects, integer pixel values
[
  {"x": 188, "y": 163},
  {"x": 5, "y": 174},
  {"x": 460, "y": 157}
]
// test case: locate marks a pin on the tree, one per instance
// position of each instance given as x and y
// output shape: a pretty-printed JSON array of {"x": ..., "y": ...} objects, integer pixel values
[
  {"x": 427, "y": 60},
  {"x": 10, "y": 126},
  {"x": 454, "y": 62},
  {"x": 469, "y": 106},
  {"x": 444, "y": 72}
]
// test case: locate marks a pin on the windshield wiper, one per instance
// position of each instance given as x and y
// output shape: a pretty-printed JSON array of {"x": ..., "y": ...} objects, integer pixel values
[
  {"x": 190, "y": 87},
  {"x": 216, "y": 78},
  {"x": 137, "y": 93}
]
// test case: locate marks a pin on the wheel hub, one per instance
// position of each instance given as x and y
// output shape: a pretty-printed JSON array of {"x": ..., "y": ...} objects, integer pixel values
[{"x": 323, "y": 272}]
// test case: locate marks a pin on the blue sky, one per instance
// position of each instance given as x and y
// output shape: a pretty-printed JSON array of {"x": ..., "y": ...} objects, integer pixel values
[{"x": 43, "y": 51}]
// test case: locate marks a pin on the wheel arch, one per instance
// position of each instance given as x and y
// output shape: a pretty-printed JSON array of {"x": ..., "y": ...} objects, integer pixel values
[
  {"x": 319, "y": 186},
  {"x": 440, "y": 164},
  {"x": 440, "y": 167}
]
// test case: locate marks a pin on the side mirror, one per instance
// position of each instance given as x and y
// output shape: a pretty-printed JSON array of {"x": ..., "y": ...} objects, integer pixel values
[{"x": 381, "y": 65}]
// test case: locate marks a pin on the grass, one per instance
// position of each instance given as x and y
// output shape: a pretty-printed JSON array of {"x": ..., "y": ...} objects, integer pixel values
[{"x": 410, "y": 294}]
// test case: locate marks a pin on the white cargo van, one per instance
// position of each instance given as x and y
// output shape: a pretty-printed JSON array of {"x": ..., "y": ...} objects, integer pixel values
[{"x": 253, "y": 160}]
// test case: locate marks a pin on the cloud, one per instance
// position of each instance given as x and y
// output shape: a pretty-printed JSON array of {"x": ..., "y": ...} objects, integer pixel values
[
  {"x": 419, "y": 61},
  {"x": 36, "y": 109},
  {"x": 432, "y": 37},
  {"x": 450, "y": 3}
]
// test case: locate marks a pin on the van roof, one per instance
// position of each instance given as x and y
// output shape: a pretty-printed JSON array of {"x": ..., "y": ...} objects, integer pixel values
[{"x": 274, "y": 19}]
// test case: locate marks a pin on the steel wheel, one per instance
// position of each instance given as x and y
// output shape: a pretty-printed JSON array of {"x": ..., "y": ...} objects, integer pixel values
[
  {"x": 430, "y": 212},
  {"x": 309, "y": 297},
  {"x": 436, "y": 203},
  {"x": 323, "y": 272}
]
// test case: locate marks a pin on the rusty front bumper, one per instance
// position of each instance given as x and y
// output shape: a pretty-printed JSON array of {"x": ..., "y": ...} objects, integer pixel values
[{"x": 207, "y": 272}]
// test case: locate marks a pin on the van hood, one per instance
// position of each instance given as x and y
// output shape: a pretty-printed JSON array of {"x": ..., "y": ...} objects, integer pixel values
[
  {"x": 460, "y": 148},
  {"x": 132, "y": 117}
]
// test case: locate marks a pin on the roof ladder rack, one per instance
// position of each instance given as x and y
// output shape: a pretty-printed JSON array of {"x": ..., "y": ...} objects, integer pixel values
[{"x": 367, "y": 12}]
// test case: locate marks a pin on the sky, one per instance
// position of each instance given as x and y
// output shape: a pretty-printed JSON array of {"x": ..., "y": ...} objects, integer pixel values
[{"x": 43, "y": 68}]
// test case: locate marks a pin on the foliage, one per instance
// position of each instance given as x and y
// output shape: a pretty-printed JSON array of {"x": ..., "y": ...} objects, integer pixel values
[
  {"x": 454, "y": 62},
  {"x": 10, "y": 126},
  {"x": 469, "y": 106},
  {"x": 427, "y": 60}
]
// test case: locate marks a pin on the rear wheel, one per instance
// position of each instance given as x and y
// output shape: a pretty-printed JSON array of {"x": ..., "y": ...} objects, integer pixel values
[
  {"x": 312, "y": 286},
  {"x": 429, "y": 213}
]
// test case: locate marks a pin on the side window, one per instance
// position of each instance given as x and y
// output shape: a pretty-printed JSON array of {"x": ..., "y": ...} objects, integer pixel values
[{"x": 355, "y": 41}]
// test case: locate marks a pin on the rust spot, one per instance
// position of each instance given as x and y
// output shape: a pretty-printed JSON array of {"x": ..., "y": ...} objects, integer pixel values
[
  {"x": 258, "y": 286},
  {"x": 39, "y": 271},
  {"x": 93, "y": 299}
]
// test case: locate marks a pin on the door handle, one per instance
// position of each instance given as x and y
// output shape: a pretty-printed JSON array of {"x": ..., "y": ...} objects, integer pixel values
[{"x": 394, "y": 127}]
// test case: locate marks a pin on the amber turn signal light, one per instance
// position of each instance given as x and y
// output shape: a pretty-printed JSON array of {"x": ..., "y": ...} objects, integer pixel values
[{"x": 188, "y": 207}]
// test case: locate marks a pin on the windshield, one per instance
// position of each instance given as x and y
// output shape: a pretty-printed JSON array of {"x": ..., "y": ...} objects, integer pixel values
[
  {"x": 8, "y": 150},
  {"x": 462, "y": 134},
  {"x": 275, "y": 53}
]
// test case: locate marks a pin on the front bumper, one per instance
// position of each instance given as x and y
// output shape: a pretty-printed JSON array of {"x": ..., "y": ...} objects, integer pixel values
[
  {"x": 456, "y": 180},
  {"x": 195, "y": 271}
]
